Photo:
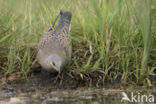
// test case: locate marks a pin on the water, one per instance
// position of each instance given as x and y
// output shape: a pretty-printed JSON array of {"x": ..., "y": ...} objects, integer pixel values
[
  {"x": 39, "y": 89},
  {"x": 82, "y": 96}
]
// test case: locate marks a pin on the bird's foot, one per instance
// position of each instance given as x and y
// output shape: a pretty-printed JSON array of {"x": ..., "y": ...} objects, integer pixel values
[{"x": 56, "y": 78}]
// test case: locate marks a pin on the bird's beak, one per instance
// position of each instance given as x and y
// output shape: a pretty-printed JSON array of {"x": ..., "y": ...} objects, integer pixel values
[{"x": 58, "y": 70}]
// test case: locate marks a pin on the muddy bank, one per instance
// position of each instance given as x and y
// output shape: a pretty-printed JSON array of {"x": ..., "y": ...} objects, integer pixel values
[{"x": 39, "y": 88}]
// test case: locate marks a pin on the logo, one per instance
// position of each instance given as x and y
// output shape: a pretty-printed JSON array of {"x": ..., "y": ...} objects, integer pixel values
[{"x": 137, "y": 97}]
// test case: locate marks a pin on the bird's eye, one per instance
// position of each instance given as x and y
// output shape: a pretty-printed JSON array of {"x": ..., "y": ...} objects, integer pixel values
[{"x": 53, "y": 63}]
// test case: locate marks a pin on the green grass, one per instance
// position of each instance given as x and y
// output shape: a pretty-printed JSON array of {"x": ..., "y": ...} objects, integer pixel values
[{"x": 114, "y": 38}]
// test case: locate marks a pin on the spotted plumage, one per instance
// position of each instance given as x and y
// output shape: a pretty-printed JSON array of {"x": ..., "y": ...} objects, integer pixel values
[{"x": 55, "y": 47}]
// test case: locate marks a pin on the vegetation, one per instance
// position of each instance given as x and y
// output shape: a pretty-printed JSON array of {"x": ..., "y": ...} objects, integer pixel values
[{"x": 115, "y": 38}]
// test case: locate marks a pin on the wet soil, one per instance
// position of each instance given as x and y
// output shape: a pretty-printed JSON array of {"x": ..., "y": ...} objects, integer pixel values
[{"x": 39, "y": 88}]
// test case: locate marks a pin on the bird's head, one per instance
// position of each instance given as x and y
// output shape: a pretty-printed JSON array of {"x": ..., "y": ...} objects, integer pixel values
[
  {"x": 54, "y": 62},
  {"x": 66, "y": 16}
]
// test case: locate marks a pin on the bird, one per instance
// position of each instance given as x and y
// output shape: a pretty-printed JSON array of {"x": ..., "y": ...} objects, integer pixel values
[{"x": 55, "y": 47}]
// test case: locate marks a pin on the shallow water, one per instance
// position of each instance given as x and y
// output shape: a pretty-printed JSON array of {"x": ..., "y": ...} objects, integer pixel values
[
  {"x": 39, "y": 89},
  {"x": 82, "y": 96}
]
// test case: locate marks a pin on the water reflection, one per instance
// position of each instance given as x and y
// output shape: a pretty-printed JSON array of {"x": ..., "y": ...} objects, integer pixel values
[{"x": 79, "y": 96}]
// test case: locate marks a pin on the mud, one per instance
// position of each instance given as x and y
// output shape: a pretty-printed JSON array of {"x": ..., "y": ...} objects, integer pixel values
[{"x": 39, "y": 88}]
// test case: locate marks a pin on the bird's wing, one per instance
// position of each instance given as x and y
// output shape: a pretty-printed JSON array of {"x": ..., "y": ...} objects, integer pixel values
[
  {"x": 65, "y": 40},
  {"x": 62, "y": 36},
  {"x": 46, "y": 38}
]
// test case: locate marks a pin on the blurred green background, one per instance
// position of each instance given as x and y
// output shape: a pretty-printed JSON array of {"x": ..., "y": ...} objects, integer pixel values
[{"x": 115, "y": 38}]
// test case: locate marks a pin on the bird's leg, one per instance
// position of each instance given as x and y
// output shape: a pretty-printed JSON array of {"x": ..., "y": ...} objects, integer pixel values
[{"x": 56, "y": 78}]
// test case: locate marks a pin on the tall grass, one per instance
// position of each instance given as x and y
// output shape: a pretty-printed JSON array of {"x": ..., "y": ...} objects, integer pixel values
[
  {"x": 144, "y": 17},
  {"x": 113, "y": 38}
]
